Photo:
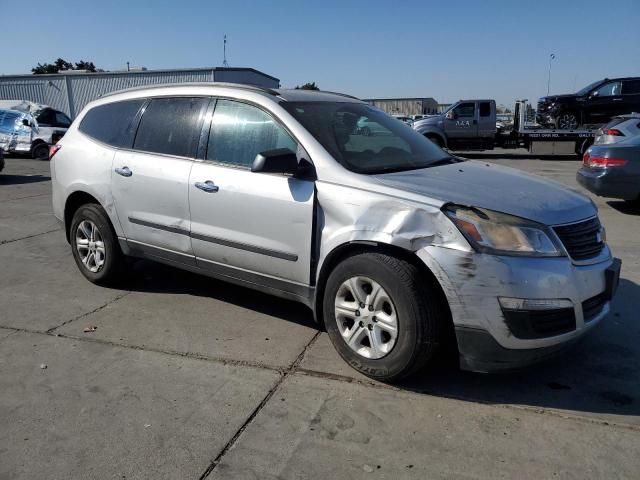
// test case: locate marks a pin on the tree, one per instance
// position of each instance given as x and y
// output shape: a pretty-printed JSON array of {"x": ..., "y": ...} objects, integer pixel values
[
  {"x": 62, "y": 64},
  {"x": 82, "y": 65},
  {"x": 308, "y": 86}
]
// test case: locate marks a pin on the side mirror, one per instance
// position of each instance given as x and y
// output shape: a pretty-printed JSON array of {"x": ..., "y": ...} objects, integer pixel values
[
  {"x": 450, "y": 116},
  {"x": 594, "y": 94},
  {"x": 280, "y": 160}
]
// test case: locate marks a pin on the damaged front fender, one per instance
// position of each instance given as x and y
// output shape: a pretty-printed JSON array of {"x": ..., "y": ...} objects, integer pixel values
[{"x": 348, "y": 215}]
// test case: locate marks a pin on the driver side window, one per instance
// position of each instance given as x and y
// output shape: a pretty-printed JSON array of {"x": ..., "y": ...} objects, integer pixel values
[
  {"x": 465, "y": 110},
  {"x": 610, "y": 89},
  {"x": 240, "y": 131}
]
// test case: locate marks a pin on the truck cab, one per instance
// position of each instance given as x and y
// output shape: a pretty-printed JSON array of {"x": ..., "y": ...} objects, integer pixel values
[{"x": 467, "y": 124}]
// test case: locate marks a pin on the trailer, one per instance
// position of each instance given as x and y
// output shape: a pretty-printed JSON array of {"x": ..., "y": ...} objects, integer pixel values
[
  {"x": 471, "y": 125},
  {"x": 544, "y": 141}
]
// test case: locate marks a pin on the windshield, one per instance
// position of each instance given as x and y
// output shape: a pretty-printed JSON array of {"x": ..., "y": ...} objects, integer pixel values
[
  {"x": 588, "y": 88},
  {"x": 364, "y": 139}
]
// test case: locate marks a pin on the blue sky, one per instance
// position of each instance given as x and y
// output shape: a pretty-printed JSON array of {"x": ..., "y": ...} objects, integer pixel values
[{"x": 442, "y": 49}]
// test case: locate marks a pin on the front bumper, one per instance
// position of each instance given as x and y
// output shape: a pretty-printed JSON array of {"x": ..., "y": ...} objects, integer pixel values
[
  {"x": 473, "y": 282},
  {"x": 610, "y": 183}
]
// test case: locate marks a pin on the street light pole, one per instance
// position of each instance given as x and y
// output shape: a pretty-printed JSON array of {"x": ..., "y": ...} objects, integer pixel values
[{"x": 551, "y": 57}]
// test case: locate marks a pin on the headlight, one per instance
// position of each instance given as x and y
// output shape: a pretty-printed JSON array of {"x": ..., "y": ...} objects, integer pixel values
[{"x": 501, "y": 234}]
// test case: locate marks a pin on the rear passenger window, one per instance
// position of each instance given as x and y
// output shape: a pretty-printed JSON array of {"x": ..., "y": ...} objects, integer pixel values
[
  {"x": 240, "y": 131},
  {"x": 485, "y": 109},
  {"x": 631, "y": 87},
  {"x": 111, "y": 123},
  {"x": 171, "y": 126}
]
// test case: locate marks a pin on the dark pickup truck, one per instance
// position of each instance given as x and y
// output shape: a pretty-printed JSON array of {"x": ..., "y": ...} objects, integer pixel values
[{"x": 595, "y": 104}]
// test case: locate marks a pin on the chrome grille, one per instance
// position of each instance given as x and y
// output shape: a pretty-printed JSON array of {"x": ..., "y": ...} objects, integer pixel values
[{"x": 583, "y": 240}]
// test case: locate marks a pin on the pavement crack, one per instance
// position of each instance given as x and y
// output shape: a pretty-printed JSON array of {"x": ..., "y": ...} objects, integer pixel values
[
  {"x": 110, "y": 302},
  {"x": 5, "y": 242},
  {"x": 285, "y": 374}
]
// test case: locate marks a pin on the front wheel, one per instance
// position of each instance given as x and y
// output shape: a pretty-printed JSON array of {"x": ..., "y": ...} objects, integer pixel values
[
  {"x": 437, "y": 140},
  {"x": 567, "y": 121},
  {"x": 380, "y": 317},
  {"x": 95, "y": 246}
]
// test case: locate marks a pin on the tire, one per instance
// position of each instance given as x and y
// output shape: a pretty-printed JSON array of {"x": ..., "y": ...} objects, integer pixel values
[
  {"x": 419, "y": 322},
  {"x": 107, "y": 263},
  {"x": 40, "y": 151},
  {"x": 567, "y": 121},
  {"x": 437, "y": 140}
]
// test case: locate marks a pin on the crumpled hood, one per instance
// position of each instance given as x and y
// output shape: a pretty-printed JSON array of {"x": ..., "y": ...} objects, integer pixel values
[
  {"x": 494, "y": 187},
  {"x": 556, "y": 98}
]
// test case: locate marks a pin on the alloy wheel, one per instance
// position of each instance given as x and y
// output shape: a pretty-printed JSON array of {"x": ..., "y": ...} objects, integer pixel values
[
  {"x": 567, "y": 121},
  {"x": 90, "y": 246},
  {"x": 366, "y": 317}
]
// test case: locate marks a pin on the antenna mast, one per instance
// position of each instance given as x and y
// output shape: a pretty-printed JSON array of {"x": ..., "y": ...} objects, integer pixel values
[{"x": 224, "y": 49}]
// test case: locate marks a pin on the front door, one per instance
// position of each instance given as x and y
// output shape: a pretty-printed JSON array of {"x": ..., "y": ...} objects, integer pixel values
[
  {"x": 150, "y": 182},
  {"x": 253, "y": 226},
  {"x": 463, "y": 123},
  {"x": 603, "y": 103}
]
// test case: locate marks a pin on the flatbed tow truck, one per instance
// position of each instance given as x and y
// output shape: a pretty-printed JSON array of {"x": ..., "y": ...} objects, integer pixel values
[{"x": 471, "y": 125}]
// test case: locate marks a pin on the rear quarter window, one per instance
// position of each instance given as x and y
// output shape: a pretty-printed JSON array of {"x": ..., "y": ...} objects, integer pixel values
[{"x": 112, "y": 123}]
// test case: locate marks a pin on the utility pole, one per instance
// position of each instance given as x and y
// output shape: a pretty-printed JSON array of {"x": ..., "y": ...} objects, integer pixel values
[
  {"x": 127, "y": 66},
  {"x": 224, "y": 50},
  {"x": 551, "y": 57}
]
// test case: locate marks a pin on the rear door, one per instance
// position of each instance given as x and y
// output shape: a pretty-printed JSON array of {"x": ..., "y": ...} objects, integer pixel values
[
  {"x": 150, "y": 182},
  {"x": 253, "y": 226},
  {"x": 464, "y": 124},
  {"x": 486, "y": 119},
  {"x": 631, "y": 95}
]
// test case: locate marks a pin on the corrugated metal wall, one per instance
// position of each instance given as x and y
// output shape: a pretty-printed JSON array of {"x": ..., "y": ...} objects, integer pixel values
[
  {"x": 49, "y": 91},
  {"x": 406, "y": 106},
  {"x": 71, "y": 92}
]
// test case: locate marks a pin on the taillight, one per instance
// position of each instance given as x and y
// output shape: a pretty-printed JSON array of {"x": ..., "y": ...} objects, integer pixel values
[
  {"x": 601, "y": 162},
  {"x": 53, "y": 149},
  {"x": 613, "y": 132}
]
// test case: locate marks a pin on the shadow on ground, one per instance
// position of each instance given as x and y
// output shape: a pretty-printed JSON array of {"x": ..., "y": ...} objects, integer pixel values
[
  {"x": 153, "y": 277},
  {"x": 599, "y": 375},
  {"x": 22, "y": 179},
  {"x": 629, "y": 208}
]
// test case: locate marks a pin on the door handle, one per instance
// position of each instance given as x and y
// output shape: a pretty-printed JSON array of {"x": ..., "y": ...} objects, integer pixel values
[
  {"x": 616, "y": 99},
  {"x": 207, "y": 186},
  {"x": 124, "y": 171}
]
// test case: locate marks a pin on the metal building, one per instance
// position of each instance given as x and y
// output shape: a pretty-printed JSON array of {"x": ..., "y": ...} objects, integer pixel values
[
  {"x": 405, "y": 106},
  {"x": 69, "y": 92}
]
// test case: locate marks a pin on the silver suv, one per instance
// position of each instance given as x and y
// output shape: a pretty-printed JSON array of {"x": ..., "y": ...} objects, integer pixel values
[{"x": 393, "y": 243}]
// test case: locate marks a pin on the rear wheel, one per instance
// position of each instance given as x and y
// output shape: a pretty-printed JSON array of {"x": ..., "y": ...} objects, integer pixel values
[
  {"x": 567, "y": 121},
  {"x": 40, "y": 151},
  {"x": 94, "y": 245},
  {"x": 380, "y": 317}
]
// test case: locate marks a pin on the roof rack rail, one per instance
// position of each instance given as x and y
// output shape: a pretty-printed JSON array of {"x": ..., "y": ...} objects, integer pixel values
[
  {"x": 239, "y": 86},
  {"x": 339, "y": 94}
]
